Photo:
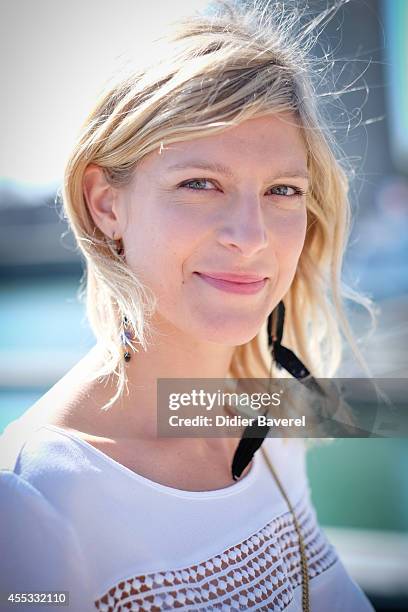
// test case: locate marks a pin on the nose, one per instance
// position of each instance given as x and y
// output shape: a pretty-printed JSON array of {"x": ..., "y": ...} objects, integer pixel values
[{"x": 244, "y": 229}]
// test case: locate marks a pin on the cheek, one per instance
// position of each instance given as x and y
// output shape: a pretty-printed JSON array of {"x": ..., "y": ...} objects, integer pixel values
[
  {"x": 288, "y": 240},
  {"x": 159, "y": 241}
]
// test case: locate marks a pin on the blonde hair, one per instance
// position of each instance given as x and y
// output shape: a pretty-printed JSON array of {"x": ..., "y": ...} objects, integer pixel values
[{"x": 216, "y": 70}]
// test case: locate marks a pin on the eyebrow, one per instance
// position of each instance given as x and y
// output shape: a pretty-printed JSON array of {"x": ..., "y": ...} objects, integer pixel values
[{"x": 227, "y": 171}]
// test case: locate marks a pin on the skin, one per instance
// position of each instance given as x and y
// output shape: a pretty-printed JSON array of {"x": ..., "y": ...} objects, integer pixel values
[{"x": 243, "y": 223}]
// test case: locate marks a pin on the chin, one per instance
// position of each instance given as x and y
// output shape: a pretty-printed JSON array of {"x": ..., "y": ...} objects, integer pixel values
[{"x": 228, "y": 334}]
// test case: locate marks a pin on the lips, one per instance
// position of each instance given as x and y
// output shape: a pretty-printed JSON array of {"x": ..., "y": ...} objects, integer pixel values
[
  {"x": 244, "y": 287},
  {"x": 234, "y": 278}
]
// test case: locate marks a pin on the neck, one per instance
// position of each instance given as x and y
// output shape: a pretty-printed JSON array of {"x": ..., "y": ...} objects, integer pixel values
[{"x": 170, "y": 354}]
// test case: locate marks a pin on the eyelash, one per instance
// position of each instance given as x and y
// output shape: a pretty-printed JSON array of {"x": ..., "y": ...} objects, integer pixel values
[{"x": 298, "y": 190}]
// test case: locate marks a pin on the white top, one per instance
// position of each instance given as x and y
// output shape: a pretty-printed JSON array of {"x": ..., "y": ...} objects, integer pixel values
[{"x": 74, "y": 519}]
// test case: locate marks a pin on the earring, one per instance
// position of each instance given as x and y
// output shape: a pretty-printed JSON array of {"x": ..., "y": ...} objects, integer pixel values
[
  {"x": 284, "y": 358},
  {"x": 118, "y": 247},
  {"x": 126, "y": 337}
]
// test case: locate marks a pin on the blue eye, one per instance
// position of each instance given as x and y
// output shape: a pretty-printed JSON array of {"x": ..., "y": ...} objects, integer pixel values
[
  {"x": 283, "y": 191},
  {"x": 195, "y": 181}
]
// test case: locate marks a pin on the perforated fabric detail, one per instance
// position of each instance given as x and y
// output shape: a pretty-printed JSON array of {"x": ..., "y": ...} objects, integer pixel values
[{"x": 259, "y": 573}]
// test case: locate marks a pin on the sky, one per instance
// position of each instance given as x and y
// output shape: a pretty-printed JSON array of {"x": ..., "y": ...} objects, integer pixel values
[{"x": 55, "y": 56}]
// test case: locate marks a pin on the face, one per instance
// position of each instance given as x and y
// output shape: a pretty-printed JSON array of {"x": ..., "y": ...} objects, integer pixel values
[{"x": 229, "y": 203}]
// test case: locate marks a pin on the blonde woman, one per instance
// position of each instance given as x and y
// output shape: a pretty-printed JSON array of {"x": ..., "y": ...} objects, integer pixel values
[{"x": 203, "y": 192}]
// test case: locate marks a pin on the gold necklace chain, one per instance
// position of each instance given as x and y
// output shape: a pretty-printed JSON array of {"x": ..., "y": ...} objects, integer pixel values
[{"x": 302, "y": 549}]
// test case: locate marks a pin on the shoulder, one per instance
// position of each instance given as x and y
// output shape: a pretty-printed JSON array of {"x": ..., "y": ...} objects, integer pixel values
[
  {"x": 25, "y": 449},
  {"x": 40, "y": 467}
]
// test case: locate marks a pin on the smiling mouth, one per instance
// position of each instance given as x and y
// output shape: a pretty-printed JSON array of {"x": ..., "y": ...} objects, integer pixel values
[
  {"x": 235, "y": 277},
  {"x": 243, "y": 287}
]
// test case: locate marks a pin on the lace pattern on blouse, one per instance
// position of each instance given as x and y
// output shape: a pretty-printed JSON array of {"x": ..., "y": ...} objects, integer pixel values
[{"x": 259, "y": 573}]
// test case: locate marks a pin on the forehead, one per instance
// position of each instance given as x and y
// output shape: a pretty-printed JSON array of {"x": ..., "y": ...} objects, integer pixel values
[{"x": 258, "y": 142}]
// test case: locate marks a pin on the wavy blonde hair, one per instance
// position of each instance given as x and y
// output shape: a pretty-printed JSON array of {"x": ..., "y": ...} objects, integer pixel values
[{"x": 216, "y": 70}]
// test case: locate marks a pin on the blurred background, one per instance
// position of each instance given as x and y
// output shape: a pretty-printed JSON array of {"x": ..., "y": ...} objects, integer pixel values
[{"x": 56, "y": 56}]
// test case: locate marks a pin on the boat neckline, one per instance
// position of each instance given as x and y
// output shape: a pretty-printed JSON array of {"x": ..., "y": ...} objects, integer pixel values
[{"x": 233, "y": 489}]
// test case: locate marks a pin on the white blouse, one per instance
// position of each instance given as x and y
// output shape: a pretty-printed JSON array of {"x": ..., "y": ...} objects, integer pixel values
[{"x": 74, "y": 519}]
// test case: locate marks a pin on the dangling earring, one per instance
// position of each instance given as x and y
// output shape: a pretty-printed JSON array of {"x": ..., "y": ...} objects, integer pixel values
[
  {"x": 284, "y": 358},
  {"x": 126, "y": 337},
  {"x": 118, "y": 245}
]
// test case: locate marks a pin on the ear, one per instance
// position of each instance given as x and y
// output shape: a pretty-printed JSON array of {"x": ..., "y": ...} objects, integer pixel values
[{"x": 101, "y": 199}]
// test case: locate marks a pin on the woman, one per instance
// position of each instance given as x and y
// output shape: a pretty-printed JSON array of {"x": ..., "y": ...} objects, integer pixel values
[{"x": 208, "y": 167}]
